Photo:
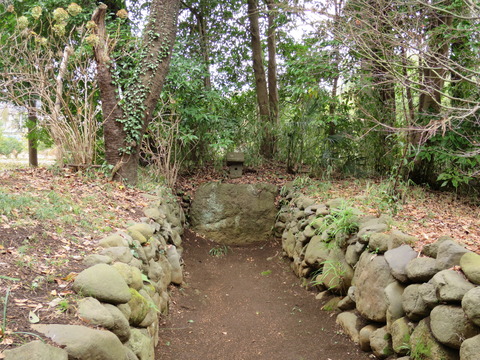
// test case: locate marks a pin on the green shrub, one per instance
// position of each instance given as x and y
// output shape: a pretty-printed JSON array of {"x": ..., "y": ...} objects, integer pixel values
[
  {"x": 9, "y": 145},
  {"x": 343, "y": 220}
]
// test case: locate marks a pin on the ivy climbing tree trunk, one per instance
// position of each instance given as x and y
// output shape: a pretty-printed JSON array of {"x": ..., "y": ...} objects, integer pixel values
[{"x": 126, "y": 121}]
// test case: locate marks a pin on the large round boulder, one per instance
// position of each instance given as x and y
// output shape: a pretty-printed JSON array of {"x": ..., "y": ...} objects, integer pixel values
[
  {"x": 423, "y": 344},
  {"x": 470, "y": 348},
  {"x": 234, "y": 213},
  {"x": 372, "y": 276},
  {"x": 470, "y": 263},
  {"x": 450, "y": 286},
  {"x": 471, "y": 305},
  {"x": 450, "y": 326},
  {"x": 103, "y": 282},
  {"x": 83, "y": 343},
  {"x": 421, "y": 269}
]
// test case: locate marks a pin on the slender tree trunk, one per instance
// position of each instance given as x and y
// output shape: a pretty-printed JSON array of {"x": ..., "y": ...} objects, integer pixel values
[
  {"x": 385, "y": 88},
  {"x": 261, "y": 89},
  {"x": 408, "y": 89},
  {"x": 433, "y": 71},
  {"x": 158, "y": 40},
  {"x": 272, "y": 65},
  {"x": 204, "y": 48},
  {"x": 332, "y": 128},
  {"x": 32, "y": 137},
  {"x": 201, "y": 27}
]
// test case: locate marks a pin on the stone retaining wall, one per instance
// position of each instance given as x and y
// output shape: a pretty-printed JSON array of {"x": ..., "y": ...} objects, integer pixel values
[
  {"x": 122, "y": 292},
  {"x": 392, "y": 300}
]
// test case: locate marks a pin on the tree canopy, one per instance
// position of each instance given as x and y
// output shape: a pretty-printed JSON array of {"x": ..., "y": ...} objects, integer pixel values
[{"x": 345, "y": 87}]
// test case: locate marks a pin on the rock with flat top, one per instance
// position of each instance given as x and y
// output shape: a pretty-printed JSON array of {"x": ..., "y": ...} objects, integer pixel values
[
  {"x": 83, "y": 343},
  {"x": 351, "y": 324},
  {"x": 421, "y": 269},
  {"x": 103, "y": 282},
  {"x": 234, "y": 213},
  {"x": 450, "y": 286},
  {"x": 398, "y": 259},
  {"x": 449, "y": 254},
  {"x": 400, "y": 331},
  {"x": 36, "y": 350}
]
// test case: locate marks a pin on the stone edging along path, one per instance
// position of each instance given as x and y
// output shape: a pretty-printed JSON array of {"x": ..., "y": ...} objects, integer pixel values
[
  {"x": 123, "y": 290},
  {"x": 392, "y": 300}
]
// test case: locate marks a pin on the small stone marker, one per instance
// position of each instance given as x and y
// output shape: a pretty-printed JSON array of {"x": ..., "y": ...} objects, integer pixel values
[{"x": 235, "y": 162}]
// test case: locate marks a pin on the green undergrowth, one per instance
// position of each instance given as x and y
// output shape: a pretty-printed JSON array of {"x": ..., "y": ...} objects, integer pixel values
[
  {"x": 382, "y": 196},
  {"x": 219, "y": 250},
  {"x": 60, "y": 200},
  {"x": 342, "y": 220}
]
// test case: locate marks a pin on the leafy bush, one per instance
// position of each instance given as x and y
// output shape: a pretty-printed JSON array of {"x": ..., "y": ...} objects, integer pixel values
[
  {"x": 9, "y": 145},
  {"x": 343, "y": 220}
]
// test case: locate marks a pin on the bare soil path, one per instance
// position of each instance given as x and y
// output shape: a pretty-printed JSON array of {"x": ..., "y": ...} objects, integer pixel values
[{"x": 247, "y": 305}]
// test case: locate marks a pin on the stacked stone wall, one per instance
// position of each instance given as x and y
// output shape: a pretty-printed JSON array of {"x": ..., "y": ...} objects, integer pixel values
[
  {"x": 122, "y": 292},
  {"x": 392, "y": 300}
]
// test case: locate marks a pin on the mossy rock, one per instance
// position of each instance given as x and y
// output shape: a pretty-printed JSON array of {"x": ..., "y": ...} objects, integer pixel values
[
  {"x": 137, "y": 235},
  {"x": 139, "y": 307},
  {"x": 331, "y": 305}
]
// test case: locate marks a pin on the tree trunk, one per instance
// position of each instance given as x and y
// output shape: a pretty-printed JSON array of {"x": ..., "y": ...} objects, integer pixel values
[
  {"x": 261, "y": 89},
  {"x": 32, "y": 136},
  {"x": 384, "y": 84},
  {"x": 204, "y": 48},
  {"x": 272, "y": 70},
  {"x": 429, "y": 104},
  {"x": 124, "y": 130},
  {"x": 331, "y": 127}
]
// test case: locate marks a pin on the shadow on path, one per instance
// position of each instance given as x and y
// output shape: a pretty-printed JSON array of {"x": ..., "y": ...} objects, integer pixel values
[{"x": 247, "y": 305}]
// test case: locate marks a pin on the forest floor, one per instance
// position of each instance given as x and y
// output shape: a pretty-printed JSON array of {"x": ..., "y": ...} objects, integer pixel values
[{"x": 50, "y": 219}]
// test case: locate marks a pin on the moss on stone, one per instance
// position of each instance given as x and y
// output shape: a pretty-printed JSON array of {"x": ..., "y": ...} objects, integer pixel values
[{"x": 139, "y": 307}]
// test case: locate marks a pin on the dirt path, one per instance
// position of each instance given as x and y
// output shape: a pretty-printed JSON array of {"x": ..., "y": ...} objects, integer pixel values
[{"x": 247, "y": 305}]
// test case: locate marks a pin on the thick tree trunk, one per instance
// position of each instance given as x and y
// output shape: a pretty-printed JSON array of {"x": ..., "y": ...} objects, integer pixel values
[
  {"x": 429, "y": 104},
  {"x": 163, "y": 24},
  {"x": 266, "y": 146},
  {"x": 158, "y": 40}
]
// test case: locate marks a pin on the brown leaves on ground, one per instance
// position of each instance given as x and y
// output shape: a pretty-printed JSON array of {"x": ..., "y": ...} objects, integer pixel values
[
  {"x": 48, "y": 223},
  {"x": 416, "y": 211},
  {"x": 419, "y": 212}
]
